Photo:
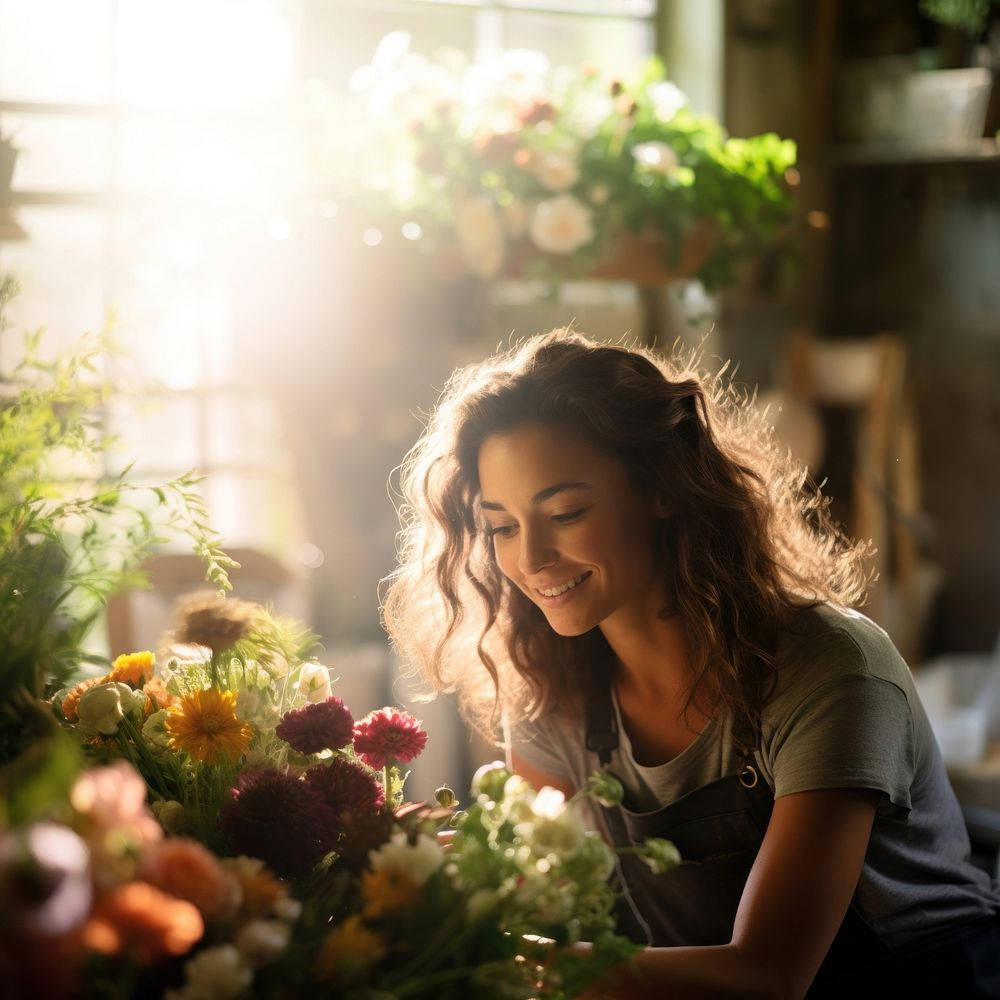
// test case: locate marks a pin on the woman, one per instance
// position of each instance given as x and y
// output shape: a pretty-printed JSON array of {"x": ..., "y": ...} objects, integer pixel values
[{"x": 614, "y": 555}]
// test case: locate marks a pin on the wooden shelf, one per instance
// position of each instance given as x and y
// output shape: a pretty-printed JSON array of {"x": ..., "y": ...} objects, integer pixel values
[{"x": 888, "y": 154}]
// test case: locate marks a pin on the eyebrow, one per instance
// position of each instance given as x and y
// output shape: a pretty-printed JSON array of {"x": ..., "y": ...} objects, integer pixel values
[{"x": 542, "y": 495}]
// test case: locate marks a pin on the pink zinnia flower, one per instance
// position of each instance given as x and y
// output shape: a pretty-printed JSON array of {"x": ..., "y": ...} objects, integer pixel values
[
  {"x": 388, "y": 736},
  {"x": 327, "y": 725},
  {"x": 277, "y": 817},
  {"x": 346, "y": 789}
]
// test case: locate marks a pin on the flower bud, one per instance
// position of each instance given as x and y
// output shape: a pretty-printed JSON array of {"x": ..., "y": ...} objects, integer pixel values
[
  {"x": 445, "y": 797},
  {"x": 489, "y": 780},
  {"x": 660, "y": 855},
  {"x": 605, "y": 788}
]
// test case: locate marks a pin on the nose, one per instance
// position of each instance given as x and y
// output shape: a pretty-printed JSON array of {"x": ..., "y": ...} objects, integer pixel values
[{"x": 535, "y": 552}]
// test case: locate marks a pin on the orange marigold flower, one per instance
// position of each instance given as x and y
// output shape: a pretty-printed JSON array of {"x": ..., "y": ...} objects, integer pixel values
[
  {"x": 349, "y": 951},
  {"x": 71, "y": 703},
  {"x": 188, "y": 870},
  {"x": 138, "y": 920},
  {"x": 386, "y": 890},
  {"x": 206, "y": 726},
  {"x": 133, "y": 668}
]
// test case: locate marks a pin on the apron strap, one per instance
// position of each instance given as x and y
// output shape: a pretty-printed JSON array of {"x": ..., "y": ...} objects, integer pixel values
[{"x": 602, "y": 727}]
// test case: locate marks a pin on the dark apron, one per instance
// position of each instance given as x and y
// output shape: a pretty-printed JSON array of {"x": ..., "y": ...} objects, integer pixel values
[{"x": 718, "y": 830}]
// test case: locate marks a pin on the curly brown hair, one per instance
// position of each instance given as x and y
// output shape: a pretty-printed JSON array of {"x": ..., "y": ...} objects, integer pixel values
[{"x": 750, "y": 537}]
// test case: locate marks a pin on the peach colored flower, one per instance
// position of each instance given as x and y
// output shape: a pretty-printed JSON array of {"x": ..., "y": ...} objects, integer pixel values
[
  {"x": 139, "y": 920},
  {"x": 158, "y": 697},
  {"x": 262, "y": 893},
  {"x": 188, "y": 870},
  {"x": 387, "y": 890},
  {"x": 349, "y": 950}
]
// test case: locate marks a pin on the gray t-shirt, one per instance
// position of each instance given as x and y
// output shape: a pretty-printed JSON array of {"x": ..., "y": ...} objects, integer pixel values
[{"x": 844, "y": 714}]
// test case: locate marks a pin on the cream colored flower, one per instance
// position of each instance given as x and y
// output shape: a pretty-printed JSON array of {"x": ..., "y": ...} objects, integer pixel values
[
  {"x": 667, "y": 99},
  {"x": 562, "y": 225},
  {"x": 656, "y": 156},
  {"x": 314, "y": 682},
  {"x": 556, "y": 172},
  {"x": 479, "y": 229},
  {"x": 419, "y": 860},
  {"x": 262, "y": 941},
  {"x": 154, "y": 730},
  {"x": 102, "y": 708},
  {"x": 218, "y": 973}
]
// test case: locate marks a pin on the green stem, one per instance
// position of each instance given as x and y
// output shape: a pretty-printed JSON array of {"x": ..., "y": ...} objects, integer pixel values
[
  {"x": 387, "y": 785},
  {"x": 434, "y": 979}
]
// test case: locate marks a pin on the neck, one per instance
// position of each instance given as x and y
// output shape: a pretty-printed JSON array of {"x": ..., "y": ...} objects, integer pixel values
[{"x": 651, "y": 653}]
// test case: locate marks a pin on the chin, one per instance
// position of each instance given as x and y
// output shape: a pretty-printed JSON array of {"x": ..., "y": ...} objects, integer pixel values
[{"x": 569, "y": 630}]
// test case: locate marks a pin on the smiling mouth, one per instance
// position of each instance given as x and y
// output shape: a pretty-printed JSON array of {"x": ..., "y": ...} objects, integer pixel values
[{"x": 563, "y": 587}]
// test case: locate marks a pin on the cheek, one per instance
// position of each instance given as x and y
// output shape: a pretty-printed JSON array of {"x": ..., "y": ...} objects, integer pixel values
[{"x": 505, "y": 558}]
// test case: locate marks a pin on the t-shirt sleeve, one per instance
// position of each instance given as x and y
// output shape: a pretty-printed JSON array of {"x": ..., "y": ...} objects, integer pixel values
[
  {"x": 538, "y": 743},
  {"x": 849, "y": 732}
]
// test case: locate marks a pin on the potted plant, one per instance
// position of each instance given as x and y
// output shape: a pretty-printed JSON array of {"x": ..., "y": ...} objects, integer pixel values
[{"x": 515, "y": 168}]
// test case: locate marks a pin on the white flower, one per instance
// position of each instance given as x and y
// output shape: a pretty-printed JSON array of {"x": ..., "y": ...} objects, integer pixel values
[
  {"x": 218, "y": 973},
  {"x": 562, "y": 225},
  {"x": 314, "y": 682},
  {"x": 657, "y": 156},
  {"x": 154, "y": 730},
  {"x": 661, "y": 855},
  {"x": 549, "y": 803},
  {"x": 479, "y": 229},
  {"x": 287, "y": 909},
  {"x": 667, "y": 99},
  {"x": 262, "y": 941},
  {"x": 556, "y": 172},
  {"x": 419, "y": 860},
  {"x": 102, "y": 708},
  {"x": 255, "y": 707}
]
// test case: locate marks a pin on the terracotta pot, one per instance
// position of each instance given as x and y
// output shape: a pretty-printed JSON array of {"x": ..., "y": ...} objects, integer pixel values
[
  {"x": 637, "y": 258},
  {"x": 642, "y": 259}
]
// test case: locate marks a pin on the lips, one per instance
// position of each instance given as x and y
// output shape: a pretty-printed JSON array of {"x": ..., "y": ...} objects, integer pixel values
[{"x": 562, "y": 588}]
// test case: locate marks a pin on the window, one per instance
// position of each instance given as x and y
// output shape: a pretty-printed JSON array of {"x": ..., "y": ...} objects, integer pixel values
[{"x": 163, "y": 174}]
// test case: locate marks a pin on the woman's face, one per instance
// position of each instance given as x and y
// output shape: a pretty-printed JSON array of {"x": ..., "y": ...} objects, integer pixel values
[{"x": 568, "y": 528}]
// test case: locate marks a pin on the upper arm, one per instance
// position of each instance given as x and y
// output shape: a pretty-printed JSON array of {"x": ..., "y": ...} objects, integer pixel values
[
  {"x": 802, "y": 882},
  {"x": 539, "y": 778}
]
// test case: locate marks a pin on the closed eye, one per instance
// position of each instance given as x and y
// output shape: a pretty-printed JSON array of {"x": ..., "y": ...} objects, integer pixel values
[
  {"x": 503, "y": 530},
  {"x": 569, "y": 517}
]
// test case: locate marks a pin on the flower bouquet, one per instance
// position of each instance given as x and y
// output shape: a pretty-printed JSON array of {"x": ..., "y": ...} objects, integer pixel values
[
  {"x": 277, "y": 856},
  {"x": 512, "y": 167}
]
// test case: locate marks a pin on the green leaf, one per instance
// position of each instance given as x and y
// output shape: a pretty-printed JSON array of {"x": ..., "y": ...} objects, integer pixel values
[{"x": 38, "y": 782}]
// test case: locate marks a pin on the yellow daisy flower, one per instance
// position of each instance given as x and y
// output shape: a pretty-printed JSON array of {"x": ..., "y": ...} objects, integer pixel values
[
  {"x": 385, "y": 890},
  {"x": 206, "y": 726},
  {"x": 349, "y": 950}
]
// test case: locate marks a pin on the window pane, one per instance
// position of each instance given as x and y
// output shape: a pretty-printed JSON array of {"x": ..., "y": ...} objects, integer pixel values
[
  {"x": 336, "y": 42},
  {"x": 160, "y": 435},
  {"x": 243, "y": 429},
  {"x": 617, "y": 46},
  {"x": 624, "y": 8},
  {"x": 62, "y": 271},
  {"x": 203, "y": 53},
  {"x": 54, "y": 50},
  {"x": 60, "y": 153}
]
